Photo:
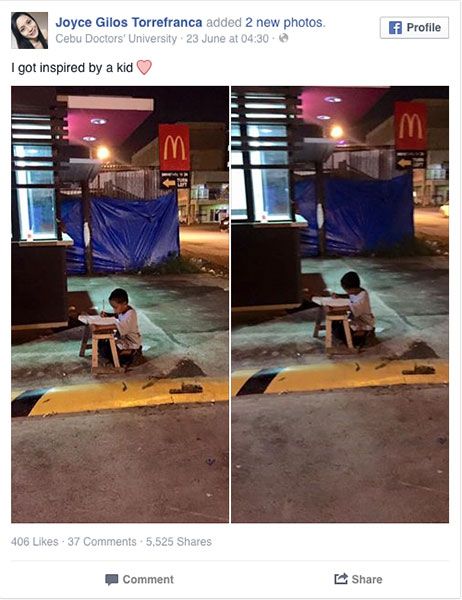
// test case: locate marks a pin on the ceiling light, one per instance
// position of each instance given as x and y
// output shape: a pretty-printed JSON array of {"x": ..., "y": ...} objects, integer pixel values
[
  {"x": 89, "y": 138},
  {"x": 323, "y": 117},
  {"x": 332, "y": 99},
  {"x": 98, "y": 121}
]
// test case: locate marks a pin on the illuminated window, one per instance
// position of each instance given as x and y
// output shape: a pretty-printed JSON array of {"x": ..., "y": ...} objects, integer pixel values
[
  {"x": 35, "y": 183},
  {"x": 266, "y": 190}
]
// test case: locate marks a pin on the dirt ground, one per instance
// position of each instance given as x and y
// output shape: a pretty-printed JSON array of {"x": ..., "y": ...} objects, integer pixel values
[
  {"x": 371, "y": 455},
  {"x": 146, "y": 465}
]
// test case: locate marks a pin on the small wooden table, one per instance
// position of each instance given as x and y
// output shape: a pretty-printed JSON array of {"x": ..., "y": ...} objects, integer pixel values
[
  {"x": 100, "y": 332},
  {"x": 324, "y": 322}
]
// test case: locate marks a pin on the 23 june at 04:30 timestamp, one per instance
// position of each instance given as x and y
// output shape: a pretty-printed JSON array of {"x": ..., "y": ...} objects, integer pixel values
[{"x": 243, "y": 38}]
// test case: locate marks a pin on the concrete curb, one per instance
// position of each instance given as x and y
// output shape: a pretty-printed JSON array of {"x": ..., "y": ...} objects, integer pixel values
[
  {"x": 340, "y": 375},
  {"x": 115, "y": 395},
  {"x": 154, "y": 392}
]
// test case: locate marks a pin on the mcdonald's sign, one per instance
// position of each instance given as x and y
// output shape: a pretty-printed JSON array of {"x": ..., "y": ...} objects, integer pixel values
[
  {"x": 410, "y": 126},
  {"x": 174, "y": 148}
]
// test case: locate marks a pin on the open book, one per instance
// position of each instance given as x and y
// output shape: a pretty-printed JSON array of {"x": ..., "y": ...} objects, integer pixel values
[{"x": 97, "y": 320}]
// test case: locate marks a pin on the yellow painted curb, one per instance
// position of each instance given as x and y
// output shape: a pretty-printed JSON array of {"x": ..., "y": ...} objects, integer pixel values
[
  {"x": 127, "y": 394},
  {"x": 350, "y": 374},
  {"x": 302, "y": 378}
]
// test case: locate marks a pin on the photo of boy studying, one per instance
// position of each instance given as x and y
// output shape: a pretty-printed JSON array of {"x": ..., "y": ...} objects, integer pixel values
[
  {"x": 355, "y": 306},
  {"x": 115, "y": 336},
  {"x": 361, "y": 319},
  {"x": 128, "y": 337}
]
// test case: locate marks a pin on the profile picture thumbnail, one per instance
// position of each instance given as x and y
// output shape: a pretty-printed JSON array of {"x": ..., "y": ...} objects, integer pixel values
[{"x": 29, "y": 31}]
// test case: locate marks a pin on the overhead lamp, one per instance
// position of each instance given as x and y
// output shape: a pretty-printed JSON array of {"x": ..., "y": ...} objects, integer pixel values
[
  {"x": 332, "y": 99},
  {"x": 98, "y": 121},
  {"x": 89, "y": 138},
  {"x": 323, "y": 117}
]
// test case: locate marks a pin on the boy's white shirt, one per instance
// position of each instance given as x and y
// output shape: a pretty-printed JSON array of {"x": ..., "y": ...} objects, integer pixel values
[
  {"x": 127, "y": 326},
  {"x": 360, "y": 307}
]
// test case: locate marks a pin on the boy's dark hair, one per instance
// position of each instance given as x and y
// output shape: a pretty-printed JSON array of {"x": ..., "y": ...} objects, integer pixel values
[
  {"x": 350, "y": 280},
  {"x": 119, "y": 295}
]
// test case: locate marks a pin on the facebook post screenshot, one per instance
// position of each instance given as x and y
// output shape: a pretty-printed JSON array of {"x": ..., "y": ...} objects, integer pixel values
[{"x": 232, "y": 342}]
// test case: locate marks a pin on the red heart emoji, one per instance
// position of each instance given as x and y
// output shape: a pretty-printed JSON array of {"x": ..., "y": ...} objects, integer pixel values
[{"x": 144, "y": 66}]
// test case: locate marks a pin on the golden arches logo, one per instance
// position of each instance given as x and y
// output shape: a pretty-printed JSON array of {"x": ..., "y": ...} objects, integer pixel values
[
  {"x": 411, "y": 121},
  {"x": 174, "y": 143}
]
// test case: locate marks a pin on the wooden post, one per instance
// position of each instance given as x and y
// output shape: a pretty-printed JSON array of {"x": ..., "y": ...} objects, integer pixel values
[
  {"x": 320, "y": 205},
  {"x": 178, "y": 231},
  {"x": 87, "y": 230}
]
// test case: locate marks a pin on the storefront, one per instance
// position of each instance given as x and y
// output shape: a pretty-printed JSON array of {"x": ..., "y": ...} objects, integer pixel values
[
  {"x": 270, "y": 144},
  {"x": 39, "y": 283}
]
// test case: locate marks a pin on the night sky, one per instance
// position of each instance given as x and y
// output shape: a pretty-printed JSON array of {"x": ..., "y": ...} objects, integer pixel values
[{"x": 385, "y": 106}]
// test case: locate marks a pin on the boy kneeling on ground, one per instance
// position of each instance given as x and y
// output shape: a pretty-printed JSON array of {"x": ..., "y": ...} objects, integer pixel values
[
  {"x": 361, "y": 318},
  {"x": 128, "y": 338}
]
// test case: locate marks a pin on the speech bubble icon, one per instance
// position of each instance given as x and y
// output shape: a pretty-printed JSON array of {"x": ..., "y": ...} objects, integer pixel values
[{"x": 111, "y": 578}]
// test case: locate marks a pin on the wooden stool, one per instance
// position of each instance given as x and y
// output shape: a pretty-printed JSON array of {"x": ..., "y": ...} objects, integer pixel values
[
  {"x": 103, "y": 335},
  {"x": 97, "y": 334},
  {"x": 84, "y": 345},
  {"x": 329, "y": 318}
]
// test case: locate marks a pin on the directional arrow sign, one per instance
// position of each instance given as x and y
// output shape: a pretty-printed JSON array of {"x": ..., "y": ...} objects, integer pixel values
[
  {"x": 170, "y": 180},
  {"x": 168, "y": 183},
  {"x": 411, "y": 159},
  {"x": 404, "y": 162}
]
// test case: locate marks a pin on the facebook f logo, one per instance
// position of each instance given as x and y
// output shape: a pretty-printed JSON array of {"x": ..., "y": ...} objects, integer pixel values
[{"x": 395, "y": 27}]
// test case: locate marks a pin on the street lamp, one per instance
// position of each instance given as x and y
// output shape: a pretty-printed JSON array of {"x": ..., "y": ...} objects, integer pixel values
[
  {"x": 103, "y": 153},
  {"x": 336, "y": 132}
]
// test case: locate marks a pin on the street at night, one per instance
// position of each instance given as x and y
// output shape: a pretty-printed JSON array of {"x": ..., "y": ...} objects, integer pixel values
[
  {"x": 131, "y": 336},
  {"x": 340, "y": 279},
  {"x": 206, "y": 242},
  {"x": 430, "y": 222}
]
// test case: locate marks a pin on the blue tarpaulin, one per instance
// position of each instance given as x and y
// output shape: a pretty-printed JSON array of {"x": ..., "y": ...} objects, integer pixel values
[
  {"x": 126, "y": 234},
  {"x": 360, "y": 216},
  {"x": 72, "y": 218}
]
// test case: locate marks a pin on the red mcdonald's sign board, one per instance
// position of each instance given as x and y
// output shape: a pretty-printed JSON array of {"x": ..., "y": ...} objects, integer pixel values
[
  {"x": 410, "y": 126},
  {"x": 174, "y": 148}
]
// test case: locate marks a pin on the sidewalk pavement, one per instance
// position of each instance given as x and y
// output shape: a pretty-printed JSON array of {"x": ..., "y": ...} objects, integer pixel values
[
  {"x": 409, "y": 297},
  {"x": 183, "y": 321}
]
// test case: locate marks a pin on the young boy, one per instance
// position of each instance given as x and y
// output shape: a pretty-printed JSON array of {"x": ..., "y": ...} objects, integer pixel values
[
  {"x": 128, "y": 334},
  {"x": 362, "y": 320}
]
